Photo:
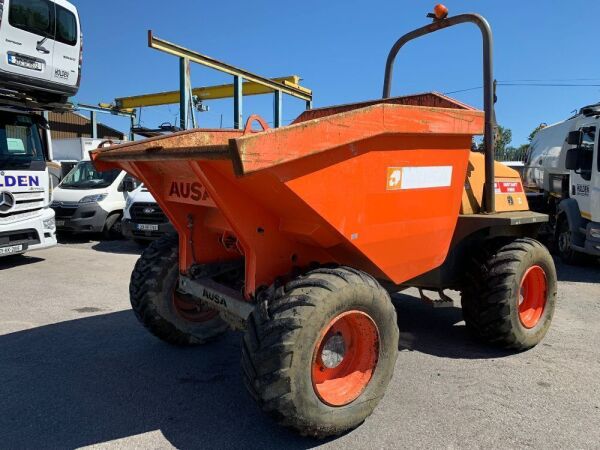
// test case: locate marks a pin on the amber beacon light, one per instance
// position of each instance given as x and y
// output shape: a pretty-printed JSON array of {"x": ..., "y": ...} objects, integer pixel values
[{"x": 440, "y": 11}]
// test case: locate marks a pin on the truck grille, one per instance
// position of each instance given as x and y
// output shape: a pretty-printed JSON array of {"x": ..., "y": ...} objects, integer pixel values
[
  {"x": 147, "y": 213},
  {"x": 29, "y": 237},
  {"x": 24, "y": 202},
  {"x": 64, "y": 209}
]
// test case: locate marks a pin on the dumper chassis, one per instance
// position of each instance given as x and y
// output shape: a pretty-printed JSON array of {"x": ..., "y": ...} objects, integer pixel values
[{"x": 298, "y": 235}]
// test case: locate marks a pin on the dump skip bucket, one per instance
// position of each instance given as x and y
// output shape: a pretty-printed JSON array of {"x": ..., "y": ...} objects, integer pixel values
[{"x": 376, "y": 186}]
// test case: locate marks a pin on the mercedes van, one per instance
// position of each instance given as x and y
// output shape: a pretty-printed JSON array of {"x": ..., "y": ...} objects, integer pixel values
[{"x": 40, "y": 49}]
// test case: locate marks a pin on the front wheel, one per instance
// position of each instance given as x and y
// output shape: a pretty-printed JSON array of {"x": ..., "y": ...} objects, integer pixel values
[
  {"x": 320, "y": 355},
  {"x": 510, "y": 295},
  {"x": 112, "y": 227},
  {"x": 166, "y": 313}
]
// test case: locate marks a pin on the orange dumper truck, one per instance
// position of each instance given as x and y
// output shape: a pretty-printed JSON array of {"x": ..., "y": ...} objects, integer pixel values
[{"x": 296, "y": 235}]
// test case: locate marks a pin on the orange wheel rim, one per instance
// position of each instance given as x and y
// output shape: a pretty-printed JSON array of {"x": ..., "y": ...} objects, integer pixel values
[
  {"x": 191, "y": 311},
  {"x": 345, "y": 358},
  {"x": 532, "y": 296}
]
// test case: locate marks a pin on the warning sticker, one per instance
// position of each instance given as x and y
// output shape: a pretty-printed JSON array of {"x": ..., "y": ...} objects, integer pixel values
[
  {"x": 418, "y": 177},
  {"x": 508, "y": 187}
]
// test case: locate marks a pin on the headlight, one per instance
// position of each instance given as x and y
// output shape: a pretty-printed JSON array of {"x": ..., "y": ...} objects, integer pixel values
[
  {"x": 93, "y": 198},
  {"x": 49, "y": 224},
  {"x": 595, "y": 233}
]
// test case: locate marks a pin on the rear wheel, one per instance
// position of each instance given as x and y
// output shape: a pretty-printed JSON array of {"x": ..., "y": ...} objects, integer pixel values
[
  {"x": 510, "y": 295},
  {"x": 564, "y": 245},
  {"x": 166, "y": 313},
  {"x": 321, "y": 353}
]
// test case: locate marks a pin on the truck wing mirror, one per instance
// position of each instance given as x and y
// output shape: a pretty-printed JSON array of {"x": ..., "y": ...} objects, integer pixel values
[
  {"x": 574, "y": 137},
  {"x": 572, "y": 158},
  {"x": 127, "y": 185}
]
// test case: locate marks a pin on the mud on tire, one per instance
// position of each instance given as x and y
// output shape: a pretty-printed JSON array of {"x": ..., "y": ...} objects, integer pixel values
[
  {"x": 510, "y": 293},
  {"x": 285, "y": 344},
  {"x": 152, "y": 289}
]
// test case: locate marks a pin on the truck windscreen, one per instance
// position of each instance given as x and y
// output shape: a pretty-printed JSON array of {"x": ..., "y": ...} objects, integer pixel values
[{"x": 20, "y": 142}]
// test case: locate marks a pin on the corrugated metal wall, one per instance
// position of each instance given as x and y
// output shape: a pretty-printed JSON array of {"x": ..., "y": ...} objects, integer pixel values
[{"x": 72, "y": 125}]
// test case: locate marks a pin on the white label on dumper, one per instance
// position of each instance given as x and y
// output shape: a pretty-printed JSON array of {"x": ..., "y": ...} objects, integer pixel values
[{"x": 418, "y": 177}]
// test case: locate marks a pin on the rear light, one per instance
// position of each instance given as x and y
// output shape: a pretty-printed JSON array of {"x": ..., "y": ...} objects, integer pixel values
[{"x": 80, "y": 57}]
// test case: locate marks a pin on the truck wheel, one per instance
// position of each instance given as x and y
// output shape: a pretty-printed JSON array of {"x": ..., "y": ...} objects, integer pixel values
[
  {"x": 510, "y": 295},
  {"x": 160, "y": 308},
  {"x": 112, "y": 227},
  {"x": 565, "y": 250},
  {"x": 320, "y": 354}
]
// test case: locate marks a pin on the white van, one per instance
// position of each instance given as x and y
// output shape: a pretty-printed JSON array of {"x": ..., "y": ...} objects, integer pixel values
[
  {"x": 87, "y": 200},
  {"x": 143, "y": 220},
  {"x": 40, "y": 49}
]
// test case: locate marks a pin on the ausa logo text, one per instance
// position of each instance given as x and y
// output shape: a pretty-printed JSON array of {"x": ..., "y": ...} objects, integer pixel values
[
  {"x": 188, "y": 192},
  {"x": 214, "y": 297}
]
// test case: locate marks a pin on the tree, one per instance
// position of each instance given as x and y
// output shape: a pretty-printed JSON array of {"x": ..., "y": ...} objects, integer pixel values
[
  {"x": 502, "y": 140},
  {"x": 541, "y": 126}
]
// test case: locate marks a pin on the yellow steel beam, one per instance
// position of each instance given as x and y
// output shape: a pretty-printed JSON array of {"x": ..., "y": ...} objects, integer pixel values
[
  {"x": 182, "y": 52},
  {"x": 207, "y": 93}
]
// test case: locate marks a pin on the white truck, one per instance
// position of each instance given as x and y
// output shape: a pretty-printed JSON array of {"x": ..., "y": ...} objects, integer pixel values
[
  {"x": 26, "y": 221},
  {"x": 40, "y": 68},
  {"x": 562, "y": 176}
]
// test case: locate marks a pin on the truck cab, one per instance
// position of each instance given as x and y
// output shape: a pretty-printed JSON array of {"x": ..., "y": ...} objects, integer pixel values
[
  {"x": 26, "y": 221},
  {"x": 88, "y": 200},
  {"x": 41, "y": 51},
  {"x": 563, "y": 170}
]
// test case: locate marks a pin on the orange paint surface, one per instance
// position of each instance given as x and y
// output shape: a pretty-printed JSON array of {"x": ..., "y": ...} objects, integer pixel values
[{"x": 378, "y": 188}]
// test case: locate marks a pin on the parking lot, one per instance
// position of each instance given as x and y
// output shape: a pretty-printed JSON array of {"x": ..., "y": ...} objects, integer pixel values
[{"x": 76, "y": 370}]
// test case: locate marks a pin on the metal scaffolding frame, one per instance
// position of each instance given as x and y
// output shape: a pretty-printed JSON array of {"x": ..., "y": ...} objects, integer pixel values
[{"x": 241, "y": 78}]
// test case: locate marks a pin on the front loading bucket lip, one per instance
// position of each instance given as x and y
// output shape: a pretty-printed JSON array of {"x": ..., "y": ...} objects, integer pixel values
[
  {"x": 252, "y": 151},
  {"x": 203, "y": 143}
]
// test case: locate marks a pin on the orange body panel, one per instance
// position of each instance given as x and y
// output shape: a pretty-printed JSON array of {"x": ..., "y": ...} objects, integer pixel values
[
  {"x": 510, "y": 195},
  {"x": 378, "y": 188}
]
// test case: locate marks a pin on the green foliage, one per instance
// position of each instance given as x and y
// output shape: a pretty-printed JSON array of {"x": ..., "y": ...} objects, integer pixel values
[{"x": 504, "y": 150}]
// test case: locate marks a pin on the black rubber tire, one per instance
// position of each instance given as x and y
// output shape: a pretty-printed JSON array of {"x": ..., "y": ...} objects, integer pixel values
[
  {"x": 112, "y": 227},
  {"x": 281, "y": 336},
  {"x": 152, "y": 284},
  {"x": 567, "y": 253},
  {"x": 490, "y": 299}
]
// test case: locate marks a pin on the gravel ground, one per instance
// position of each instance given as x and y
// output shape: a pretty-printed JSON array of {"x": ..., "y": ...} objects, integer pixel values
[{"x": 77, "y": 370}]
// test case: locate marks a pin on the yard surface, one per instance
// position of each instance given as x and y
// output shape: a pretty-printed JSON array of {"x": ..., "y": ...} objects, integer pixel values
[{"x": 77, "y": 370}]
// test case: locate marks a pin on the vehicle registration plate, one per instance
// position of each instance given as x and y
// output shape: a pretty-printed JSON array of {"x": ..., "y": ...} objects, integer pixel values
[
  {"x": 146, "y": 227},
  {"x": 12, "y": 249},
  {"x": 60, "y": 223},
  {"x": 19, "y": 61}
]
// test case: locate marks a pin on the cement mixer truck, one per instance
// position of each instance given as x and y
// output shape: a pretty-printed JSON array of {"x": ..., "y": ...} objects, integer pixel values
[{"x": 562, "y": 177}]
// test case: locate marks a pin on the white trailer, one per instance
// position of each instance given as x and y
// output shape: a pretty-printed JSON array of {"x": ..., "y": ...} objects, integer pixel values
[{"x": 562, "y": 175}]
